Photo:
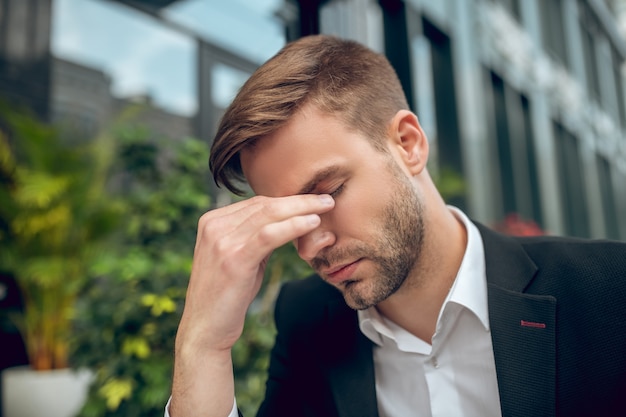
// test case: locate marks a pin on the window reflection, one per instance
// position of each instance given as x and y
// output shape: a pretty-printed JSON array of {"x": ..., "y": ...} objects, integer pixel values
[
  {"x": 226, "y": 81},
  {"x": 151, "y": 55}
]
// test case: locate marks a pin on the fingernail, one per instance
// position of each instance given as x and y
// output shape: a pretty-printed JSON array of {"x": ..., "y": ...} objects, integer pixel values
[
  {"x": 326, "y": 200},
  {"x": 313, "y": 219}
]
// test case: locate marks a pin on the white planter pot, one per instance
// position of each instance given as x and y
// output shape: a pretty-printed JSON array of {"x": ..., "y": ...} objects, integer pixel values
[{"x": 56, "y": 393}]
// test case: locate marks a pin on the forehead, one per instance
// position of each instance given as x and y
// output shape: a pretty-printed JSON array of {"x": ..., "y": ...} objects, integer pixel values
[{"x": 311, "y": 143}]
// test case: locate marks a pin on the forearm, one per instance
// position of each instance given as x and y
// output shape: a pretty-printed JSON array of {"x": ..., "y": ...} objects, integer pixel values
[{"x": 203, "y": 385}]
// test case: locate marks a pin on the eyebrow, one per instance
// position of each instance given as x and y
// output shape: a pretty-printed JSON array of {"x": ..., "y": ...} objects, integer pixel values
[{"x": 320, "y": 176}]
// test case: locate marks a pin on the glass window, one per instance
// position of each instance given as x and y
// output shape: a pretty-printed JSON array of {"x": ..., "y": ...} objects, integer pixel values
[
  {"x": 573, "y": 199},
  {"x": 144, "y": 58},
  {"x": 531, "y": 158},
  {"x": 608, "y": 200},
  {"x": 589, "y": 30},
  {"x": 248, "y": 28},
  {"x": 226, "y": 81},
  {"x": 154, "y": 58},
  {"x": 551, "y": 13},
  {"x": 513, "y": 140},
  {"x": 503, "y": 141},
  {"x": 512, "y": 6},
  {"x": 619, "y": 87}
]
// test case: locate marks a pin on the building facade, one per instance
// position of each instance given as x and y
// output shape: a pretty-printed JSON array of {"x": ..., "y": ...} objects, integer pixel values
[
  {"x": 25, "y": 54},
  {"x": 524, "y": 99},
  {"x": 80, "y": 100}
]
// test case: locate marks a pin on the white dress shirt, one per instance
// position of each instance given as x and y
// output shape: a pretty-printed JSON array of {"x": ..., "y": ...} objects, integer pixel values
[{"x": 456, "y": 376}]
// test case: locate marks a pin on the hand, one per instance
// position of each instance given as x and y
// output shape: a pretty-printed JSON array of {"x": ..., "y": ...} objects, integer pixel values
[{"x": 232, "y": 249}]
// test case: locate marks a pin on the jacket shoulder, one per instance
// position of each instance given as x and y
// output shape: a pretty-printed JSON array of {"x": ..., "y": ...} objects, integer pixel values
[
  {"x": 577, "y": 256},
  {"x": 304, "y": 303}
]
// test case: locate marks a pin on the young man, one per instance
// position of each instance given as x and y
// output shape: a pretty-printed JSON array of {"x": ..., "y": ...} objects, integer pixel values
[{"x": 416, "y": 309}]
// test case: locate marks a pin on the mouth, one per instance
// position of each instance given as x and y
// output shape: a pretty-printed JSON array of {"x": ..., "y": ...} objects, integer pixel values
[{"x": 341, "y": 273}]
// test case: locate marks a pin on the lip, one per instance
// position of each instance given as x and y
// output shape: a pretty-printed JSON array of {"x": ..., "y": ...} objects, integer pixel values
[{"x": 340, "y": 273}]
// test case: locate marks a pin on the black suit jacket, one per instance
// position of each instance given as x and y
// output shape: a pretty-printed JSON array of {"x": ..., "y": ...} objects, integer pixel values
[{"x": 571, "y": 360}]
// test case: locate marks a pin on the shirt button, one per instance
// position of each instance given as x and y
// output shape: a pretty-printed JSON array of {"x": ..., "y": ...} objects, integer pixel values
[{"x": 435, "y": 362}]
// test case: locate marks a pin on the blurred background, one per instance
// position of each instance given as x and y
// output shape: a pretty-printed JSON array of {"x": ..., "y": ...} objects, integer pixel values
[{"x": 107, "y": 110}]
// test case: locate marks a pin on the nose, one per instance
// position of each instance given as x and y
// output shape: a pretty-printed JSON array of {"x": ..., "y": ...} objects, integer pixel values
[{"x": 309, "y": 245}]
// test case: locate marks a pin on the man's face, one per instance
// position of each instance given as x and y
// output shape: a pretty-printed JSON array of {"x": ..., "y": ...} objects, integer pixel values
[{"x": 369, "y": 243}]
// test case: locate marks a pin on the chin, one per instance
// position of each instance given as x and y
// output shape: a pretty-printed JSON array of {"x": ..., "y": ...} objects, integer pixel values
[
  {"x": 358, "y": 301},
  {"x": 357, "y": 306}
]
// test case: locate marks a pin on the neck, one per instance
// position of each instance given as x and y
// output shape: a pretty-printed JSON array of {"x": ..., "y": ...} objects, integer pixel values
[{"x": 416, "y": 305}]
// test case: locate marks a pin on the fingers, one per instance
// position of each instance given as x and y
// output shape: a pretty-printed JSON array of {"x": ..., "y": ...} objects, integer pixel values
[
  {"x": 263, "y": 209},
  {"x": 245, "y": 235},
  {"x": 273, "y": 235},
  {"x": 245, "y": 219}
]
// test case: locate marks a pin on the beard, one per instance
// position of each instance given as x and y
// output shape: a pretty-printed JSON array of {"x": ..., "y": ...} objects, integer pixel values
[{"x": 400, "y": 233}]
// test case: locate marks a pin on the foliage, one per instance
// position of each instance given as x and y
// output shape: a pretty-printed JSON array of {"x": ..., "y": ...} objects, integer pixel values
[
  {"x": 450, "y": 183},
  {"x": 51, "y": 222},
  {"x": 128, "y": 315}
]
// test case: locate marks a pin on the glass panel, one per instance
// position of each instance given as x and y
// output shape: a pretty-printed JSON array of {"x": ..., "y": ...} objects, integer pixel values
[
  {"x": 226, "y": 82},
  {"x": 552, "y": 29},
  {"x": 249, "y": 28},
  {"x": 573, "y": 198},
  {"x": 608, "y": 200},
  {"x": 153, "y": 59},
  {"x": 143, "y": 57}
]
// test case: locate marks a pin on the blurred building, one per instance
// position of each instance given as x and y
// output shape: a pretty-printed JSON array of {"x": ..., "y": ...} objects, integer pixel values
[
  {"x": 81, "y": 103},
  {"x": 160, "y": 121},
  {"x": 25, "y": 54},
  {"x": 524, "y": 99},
  {"x": 72, "y": 95},
  {"x": 80, "y": 100}
]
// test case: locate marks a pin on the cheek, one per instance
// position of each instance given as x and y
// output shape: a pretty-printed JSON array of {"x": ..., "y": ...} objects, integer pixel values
[{"x": 355, "y": 213}]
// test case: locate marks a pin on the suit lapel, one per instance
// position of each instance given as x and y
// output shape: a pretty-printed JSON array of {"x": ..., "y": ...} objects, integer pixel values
[
  {"x": 350, "y": 365},
  {"x": 523, "y": 330}
]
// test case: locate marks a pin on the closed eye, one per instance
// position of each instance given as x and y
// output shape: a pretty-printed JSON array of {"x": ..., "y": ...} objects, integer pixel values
[{"x": 337, "y": 191}]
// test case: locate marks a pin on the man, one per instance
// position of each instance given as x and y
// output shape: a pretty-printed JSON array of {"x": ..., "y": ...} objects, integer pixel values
[{"x": 418, "y": 310}]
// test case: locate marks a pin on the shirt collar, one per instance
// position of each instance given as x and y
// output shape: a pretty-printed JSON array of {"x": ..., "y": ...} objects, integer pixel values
[
  {"x": 470, "y": 286},
  {"x": 469, "y": 289}
]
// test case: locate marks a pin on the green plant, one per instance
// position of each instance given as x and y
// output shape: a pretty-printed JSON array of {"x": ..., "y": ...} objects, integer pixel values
[
  {"x": 450, "y": 183},
  {"x": 128, "y": 314},
  {"x": 54, "y": 214}
]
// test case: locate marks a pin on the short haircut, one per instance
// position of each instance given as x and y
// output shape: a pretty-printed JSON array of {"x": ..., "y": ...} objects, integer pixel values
[{"x": 341, "y": 78}]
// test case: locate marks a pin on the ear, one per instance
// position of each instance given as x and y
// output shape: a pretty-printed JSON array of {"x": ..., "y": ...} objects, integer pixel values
[{"x": 407, "y": 141}]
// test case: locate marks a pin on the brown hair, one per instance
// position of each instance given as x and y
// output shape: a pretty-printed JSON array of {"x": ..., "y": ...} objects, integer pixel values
[{"x": 340, "y": 77}]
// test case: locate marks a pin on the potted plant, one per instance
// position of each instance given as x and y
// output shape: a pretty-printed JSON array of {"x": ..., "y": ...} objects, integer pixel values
[{"x": 53, "y": 213}]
